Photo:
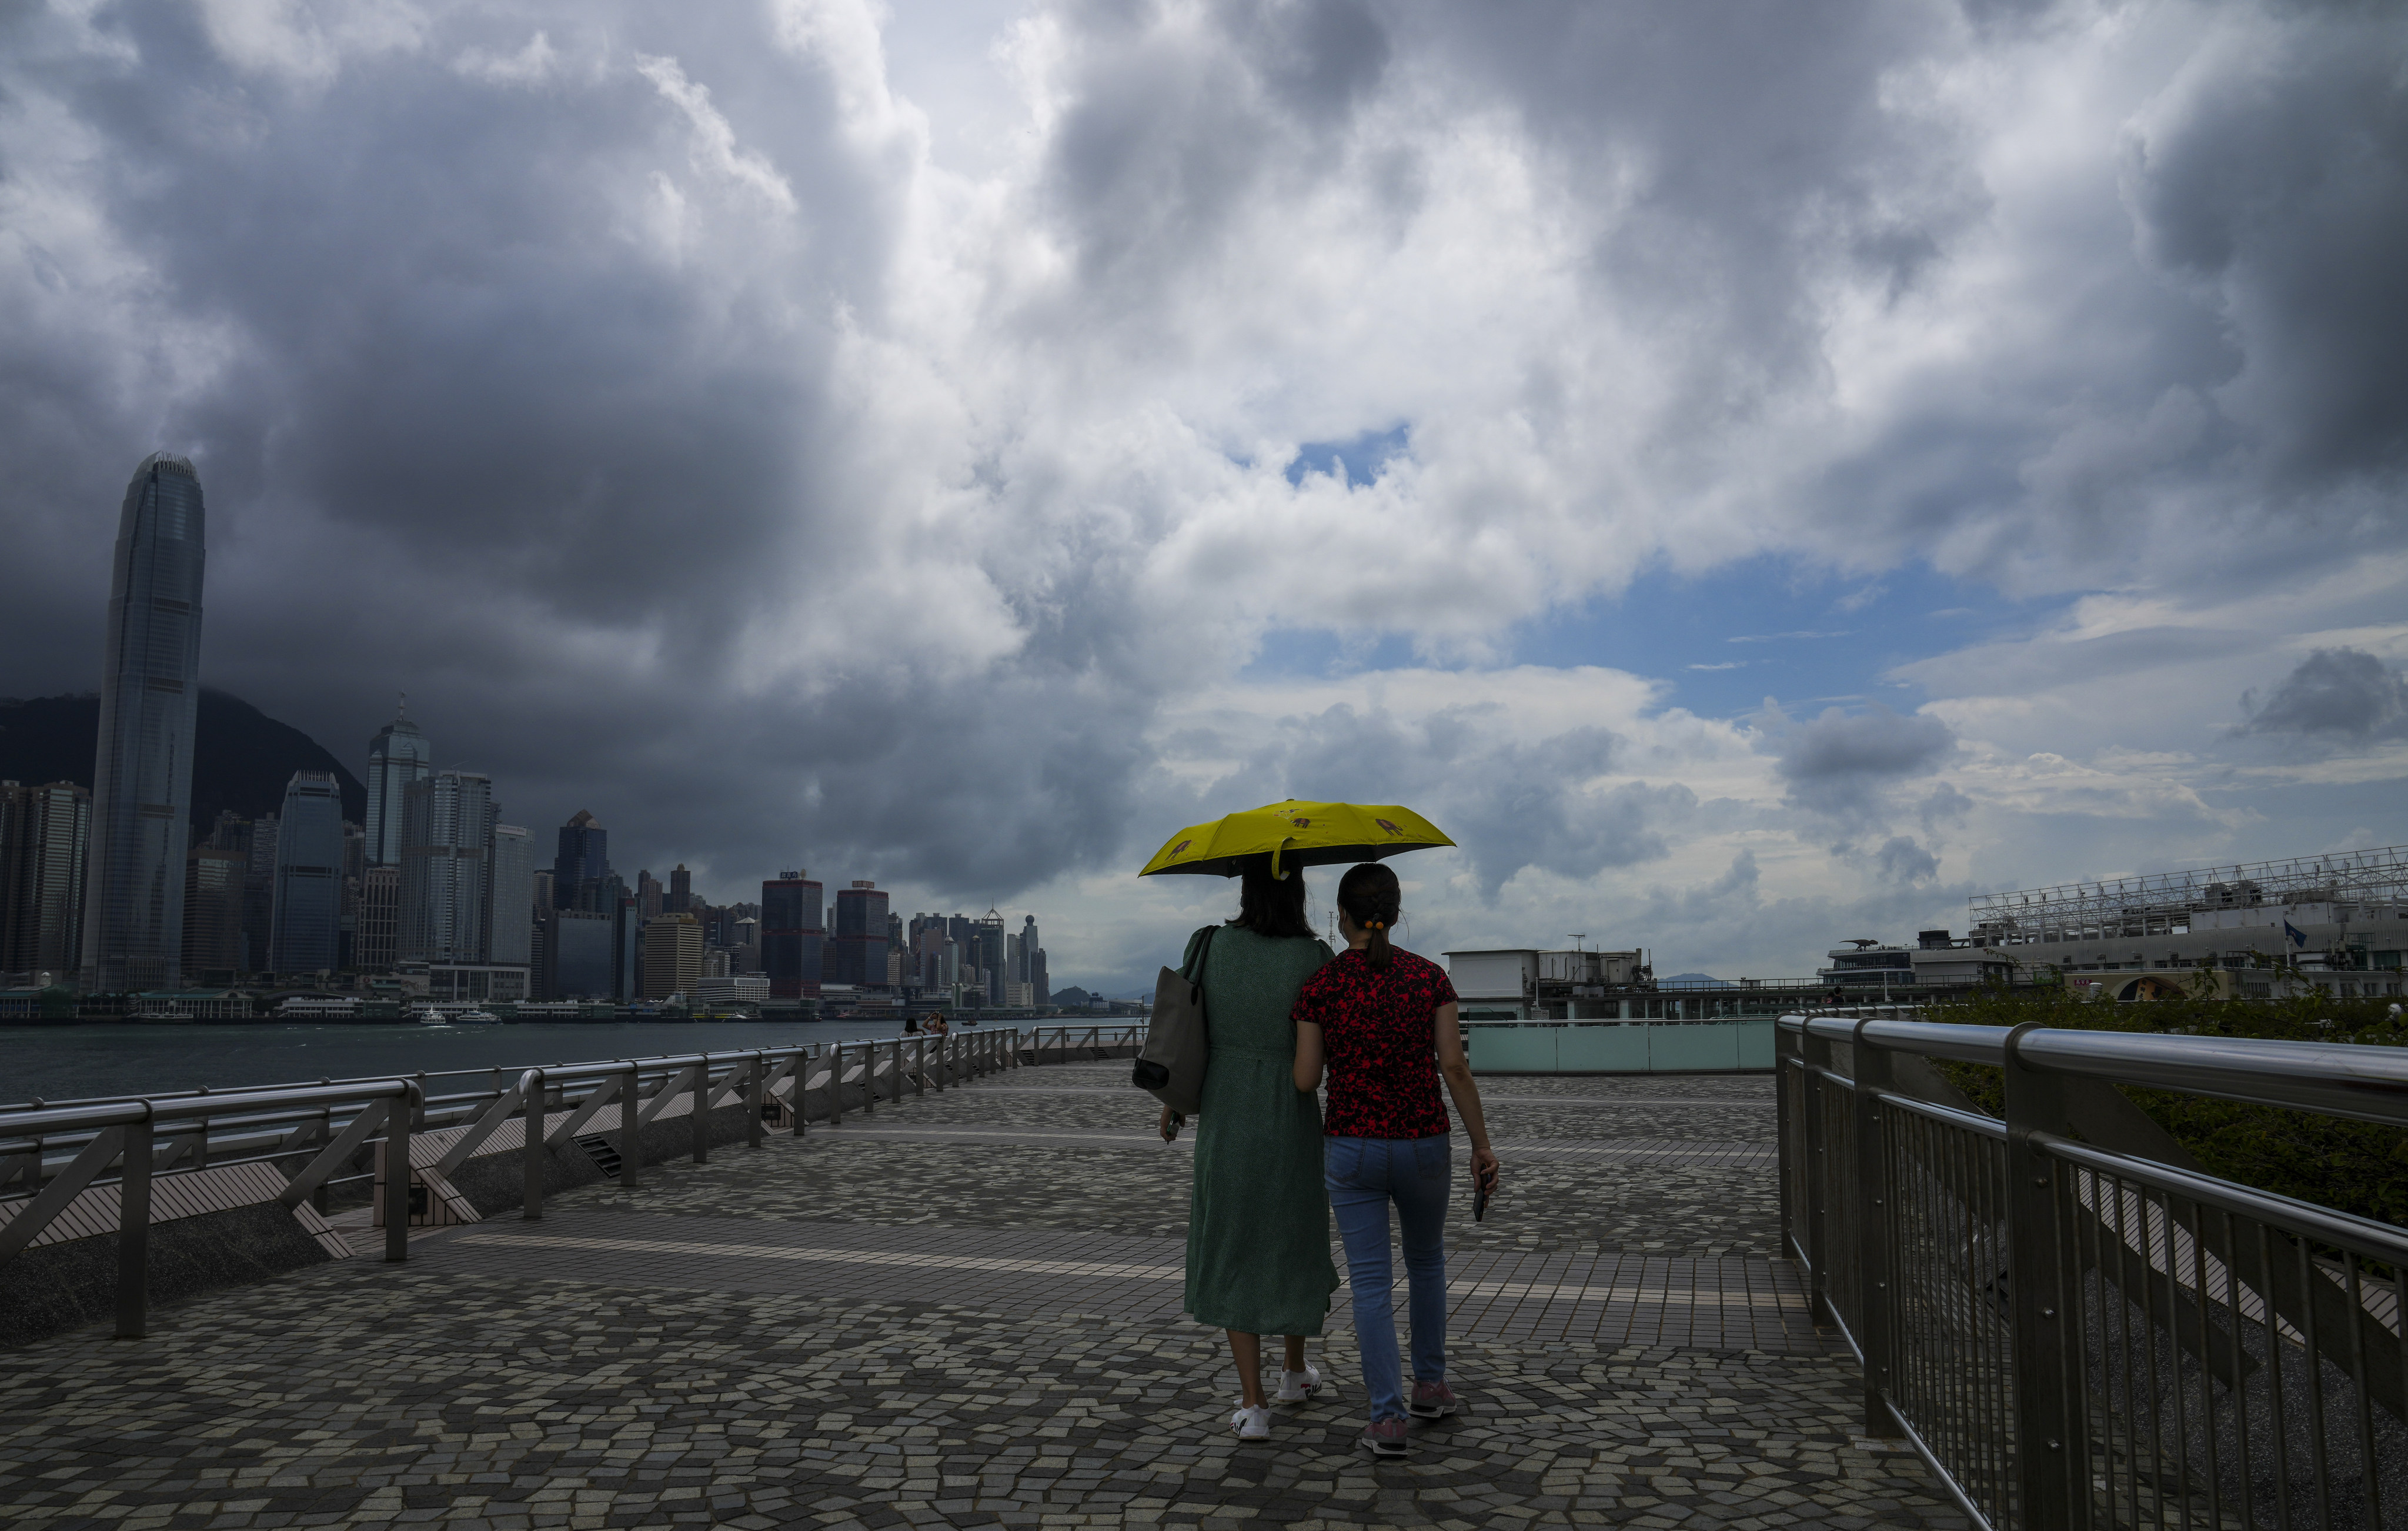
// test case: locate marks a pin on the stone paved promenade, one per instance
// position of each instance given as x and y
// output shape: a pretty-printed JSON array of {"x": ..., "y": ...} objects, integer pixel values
[{"x": 963, "y": 1310}]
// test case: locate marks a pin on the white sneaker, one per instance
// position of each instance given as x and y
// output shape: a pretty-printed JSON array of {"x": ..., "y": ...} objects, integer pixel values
[
  {"x": 1252, "y": 1424},
  {"x": 1297, "y": 1387}
]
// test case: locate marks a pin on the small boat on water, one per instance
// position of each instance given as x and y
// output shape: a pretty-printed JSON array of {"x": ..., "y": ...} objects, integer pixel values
[
  {"x": 475, "y": 1018},
  {"x": 431, "y": 1018}
]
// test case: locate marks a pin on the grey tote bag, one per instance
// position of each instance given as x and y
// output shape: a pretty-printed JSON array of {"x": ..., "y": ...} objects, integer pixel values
[{"x": 1170, "y": 1068}]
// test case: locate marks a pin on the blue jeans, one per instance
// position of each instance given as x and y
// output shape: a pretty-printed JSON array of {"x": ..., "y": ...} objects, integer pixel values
[{"x": 1364, "y": 1174}]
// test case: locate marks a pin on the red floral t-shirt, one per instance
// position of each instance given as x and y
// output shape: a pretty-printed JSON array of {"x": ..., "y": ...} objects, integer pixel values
[{"x": 1378, "y": 1029}]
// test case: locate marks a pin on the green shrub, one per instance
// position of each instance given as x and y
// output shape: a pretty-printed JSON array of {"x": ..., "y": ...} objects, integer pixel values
[{"x": 2355, "y": 1167}]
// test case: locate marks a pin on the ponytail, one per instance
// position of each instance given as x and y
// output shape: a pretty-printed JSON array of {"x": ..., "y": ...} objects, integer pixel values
[{"x": 1370, "y": 895}]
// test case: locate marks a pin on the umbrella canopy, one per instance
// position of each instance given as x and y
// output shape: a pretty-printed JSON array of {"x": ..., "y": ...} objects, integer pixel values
[{"x": 1292, "y": 834}]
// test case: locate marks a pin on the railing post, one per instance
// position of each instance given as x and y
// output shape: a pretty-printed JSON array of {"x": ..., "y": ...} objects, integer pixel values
[
  {"x": 134, "y": 1231},
  {"x": 1785, "y": 1129},
  {"x": 702, "y": 1110},
  {"x": 628, "y": 1131},
  {"x": 2052, "y": 1458},
  {"x": 898, "y": 1051},
  {"x": 401, "y": 1113},
  {"x": 835, "y": 1084},
  {"x": 802, "y": 1090},
  {"x": 1817, "y": 1053},
  {"x": 1872, "y": 1075},
  {"x": 918, "y": 1065},
  {"x": 531, "y": 1084},
  {"x": 940, "y": 1063},
  {"x": 755, "y": 1098}
]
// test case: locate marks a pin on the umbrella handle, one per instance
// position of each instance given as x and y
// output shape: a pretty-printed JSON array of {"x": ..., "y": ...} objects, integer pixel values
[{"x": 1278, "y": 876}]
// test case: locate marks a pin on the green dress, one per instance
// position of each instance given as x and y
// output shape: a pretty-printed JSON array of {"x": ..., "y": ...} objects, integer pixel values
[{"x": 1259, "y": 1219}]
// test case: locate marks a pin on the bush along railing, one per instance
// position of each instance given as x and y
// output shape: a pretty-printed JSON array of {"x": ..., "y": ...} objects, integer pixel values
[
  {"x": 95, "y": 1168},
  {"x": 2072, "y": 1321}
]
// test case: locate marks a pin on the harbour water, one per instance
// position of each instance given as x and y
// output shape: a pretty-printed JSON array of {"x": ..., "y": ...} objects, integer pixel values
[{"x": 69, "y": 1062}]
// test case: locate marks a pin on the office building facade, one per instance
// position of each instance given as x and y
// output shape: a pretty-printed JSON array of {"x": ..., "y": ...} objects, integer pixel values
[
  {"x": 142, "y": 769},
  {"x": 856, "y": 952},
  {"x": 213, "y": 881},
  {"x": 446, "y": 833},
  {"x": 306, "y": 920},
  {"x": 398, "y": 755},
  {"x": 45, "y": 839},
  {"x": 576, "y": 956},
  {"x": 581, "y": 871},
  {"x": 378, "y": 940},
  {"x": 793, "y": 929},
  {"x": 512, "y": 895},
  {"x": 672, "y": 956}
]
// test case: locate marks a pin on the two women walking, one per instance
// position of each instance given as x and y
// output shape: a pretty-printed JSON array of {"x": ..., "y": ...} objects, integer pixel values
[{"x": 1379, "y": 1024}]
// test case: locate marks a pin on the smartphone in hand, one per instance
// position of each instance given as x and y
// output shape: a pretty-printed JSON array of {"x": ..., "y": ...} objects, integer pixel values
[{"x": 1482, "y": 1186}]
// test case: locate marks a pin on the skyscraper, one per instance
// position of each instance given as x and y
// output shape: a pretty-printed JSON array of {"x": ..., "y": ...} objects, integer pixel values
[
  {"x": 213, "y": 912},
  {"x": 792, "y": 930},
  {"x": 672, "y": 956},
  {"x": 512, "y": 898},
  {"x": 45, "y": 836},
  {"x": 259, "y": 894},
  {"x": 856, "y": 952},
  {"x": 581, "y": 871},
  {"x": 397, "y": 756},
  {"x": 680, "y": 898},
  {"x": 142, "y": 769},
  {"x": 446, "y": 831},
  {"x": 987, "y": 936},
  {"x": 308, "y": 887},
  {"x": 379, "y": 930}
]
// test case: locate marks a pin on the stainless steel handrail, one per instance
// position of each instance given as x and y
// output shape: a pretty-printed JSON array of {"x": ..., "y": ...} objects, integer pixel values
[
  {"x": 2040, "y": 1302},
  {"x": 2335, "y": 1079},
  {"x": 57, "y": 1150}
]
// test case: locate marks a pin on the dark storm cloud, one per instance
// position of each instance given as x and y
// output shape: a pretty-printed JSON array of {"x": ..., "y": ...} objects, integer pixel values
[
  {"x": 1840, "y": 762},
  {"x": 2341, "y": 693},
  {"x": 521, "y": 401},
  {"x": 2280, "y": 185}
]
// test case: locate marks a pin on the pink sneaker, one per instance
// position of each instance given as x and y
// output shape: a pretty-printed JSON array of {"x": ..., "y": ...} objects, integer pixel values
[
  {"x": 1433, "y": 1401},
  {"x": 1384, "y": 1437}
]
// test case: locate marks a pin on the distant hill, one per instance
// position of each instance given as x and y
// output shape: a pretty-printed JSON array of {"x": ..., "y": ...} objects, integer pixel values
[{"x": 241, "y": 756}]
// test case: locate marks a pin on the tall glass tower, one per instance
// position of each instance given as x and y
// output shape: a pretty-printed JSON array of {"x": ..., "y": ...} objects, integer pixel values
[
  {"x": 308, "y": 908},
  {"x": 142, "y": 778},
  {"x": 397, "y": 756},
  {"x": 446, "y": 848}
]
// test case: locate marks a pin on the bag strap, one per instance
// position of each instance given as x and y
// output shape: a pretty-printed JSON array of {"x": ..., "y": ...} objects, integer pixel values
[{"x": 1203, "y": 950}]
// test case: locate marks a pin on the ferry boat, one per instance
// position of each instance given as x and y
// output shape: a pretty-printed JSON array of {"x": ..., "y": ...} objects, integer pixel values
[{"x": 477, "y": 1018}]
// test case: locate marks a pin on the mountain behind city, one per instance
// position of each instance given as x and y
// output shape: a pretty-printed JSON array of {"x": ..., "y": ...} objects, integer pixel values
[{"x": 241, "y": 757}]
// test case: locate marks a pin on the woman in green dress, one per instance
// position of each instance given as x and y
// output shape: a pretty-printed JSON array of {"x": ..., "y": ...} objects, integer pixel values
[{"x": 1259, "y": 1219}]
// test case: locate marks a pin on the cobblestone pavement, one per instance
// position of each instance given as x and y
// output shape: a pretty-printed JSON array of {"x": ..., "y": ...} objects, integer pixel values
[{"x": 928, "y": 1332}]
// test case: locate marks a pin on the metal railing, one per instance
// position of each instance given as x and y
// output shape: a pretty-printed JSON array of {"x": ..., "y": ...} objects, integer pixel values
[
  {"x": 343, "y": 1132},
  {"x": 2072, "y": 1321},
  {"x": 1079, "y": 1044}
]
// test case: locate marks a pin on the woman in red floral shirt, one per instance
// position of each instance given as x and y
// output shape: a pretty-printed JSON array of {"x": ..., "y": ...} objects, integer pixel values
[{"x": 1383, "y": 1020}]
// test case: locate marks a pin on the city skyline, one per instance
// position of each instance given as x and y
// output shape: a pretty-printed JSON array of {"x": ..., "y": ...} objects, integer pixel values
[{"x": 1751, "y": 486}]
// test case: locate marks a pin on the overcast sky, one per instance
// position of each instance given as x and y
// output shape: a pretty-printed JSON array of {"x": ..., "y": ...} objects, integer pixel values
[{"x": 1753, "y": 473}]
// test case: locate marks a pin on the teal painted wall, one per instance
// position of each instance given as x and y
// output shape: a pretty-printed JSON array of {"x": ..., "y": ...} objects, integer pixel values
[{"x": 1706, "y": 1046}]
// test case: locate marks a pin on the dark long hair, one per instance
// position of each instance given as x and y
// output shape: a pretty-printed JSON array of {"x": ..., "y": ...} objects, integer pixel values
[
  {"x": 1370, "y": 895},
  {"x": 1272, "y": 908}
]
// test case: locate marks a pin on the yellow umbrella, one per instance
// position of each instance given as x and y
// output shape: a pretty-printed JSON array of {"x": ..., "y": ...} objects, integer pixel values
[{"x": 1293, "y": 834}]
